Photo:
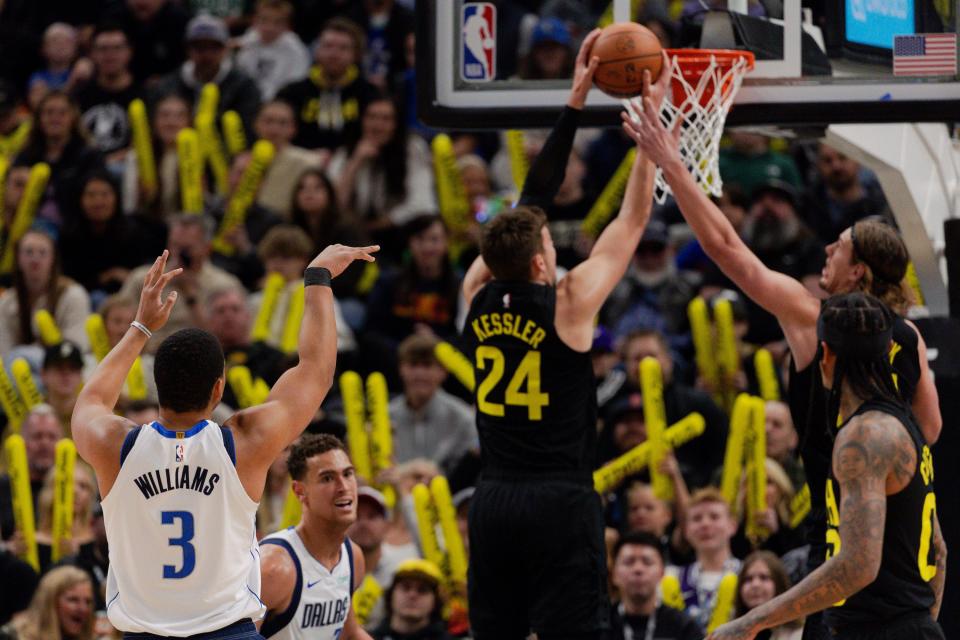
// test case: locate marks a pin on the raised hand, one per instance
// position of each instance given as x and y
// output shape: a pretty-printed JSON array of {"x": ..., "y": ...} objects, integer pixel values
[
  {"x": 336, "y": 257},
  {"x": 657, "y": 91},
  {"x": 641, "y": 122},
  {"x": 154, "y": 311},
  {"x": 583, "y": 70}
]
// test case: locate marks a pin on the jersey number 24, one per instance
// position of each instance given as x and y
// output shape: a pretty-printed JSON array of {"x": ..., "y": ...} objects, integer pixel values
[{"x": 527, "y": 374}]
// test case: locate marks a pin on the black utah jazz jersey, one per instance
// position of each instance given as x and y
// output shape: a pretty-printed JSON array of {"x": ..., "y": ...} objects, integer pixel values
[
  {"x": 535, "y": 396},
  {"x": 908, "y": 561},
  {"x": 808, "y": 407}
]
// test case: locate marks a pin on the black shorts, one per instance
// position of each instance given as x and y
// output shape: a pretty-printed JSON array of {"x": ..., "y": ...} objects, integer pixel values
[
  {"x": 537, "y": 561},
  {"x": 919, "y": 626}
]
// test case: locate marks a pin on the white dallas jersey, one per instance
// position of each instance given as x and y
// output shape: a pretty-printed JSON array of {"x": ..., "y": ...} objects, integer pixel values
[
  {"x": 321, "y": 598},
  {"x": 183, "y": 547}
]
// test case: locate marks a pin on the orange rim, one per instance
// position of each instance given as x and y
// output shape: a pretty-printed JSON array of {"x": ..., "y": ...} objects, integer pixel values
[{"x": 697, "y": 60}]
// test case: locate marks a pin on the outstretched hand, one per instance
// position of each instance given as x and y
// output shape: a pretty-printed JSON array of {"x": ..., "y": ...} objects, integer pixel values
[
  {"x": 641, "y": 122},
  {"x": 154, "y": 310},
  {"x": 583, "y": 70},
  {"x": 336, "y": 257}
]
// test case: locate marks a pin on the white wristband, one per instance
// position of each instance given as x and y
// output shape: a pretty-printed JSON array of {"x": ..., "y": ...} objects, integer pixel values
[{"x": 139, "y": 326}]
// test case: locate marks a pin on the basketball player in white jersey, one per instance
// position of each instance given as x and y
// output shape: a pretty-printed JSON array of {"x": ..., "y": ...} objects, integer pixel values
[
  {"x": 180, "y": 494},
  {"x": 309, "y": 571}
]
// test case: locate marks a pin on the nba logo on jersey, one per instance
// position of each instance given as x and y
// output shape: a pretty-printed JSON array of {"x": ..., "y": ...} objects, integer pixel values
[
  {"x": 479, "y": 25},
  {"x": 181, "y": 453}
]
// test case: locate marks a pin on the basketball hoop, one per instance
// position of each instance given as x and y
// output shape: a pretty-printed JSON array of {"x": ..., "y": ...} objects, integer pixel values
[{"x": 705, "y": 82}]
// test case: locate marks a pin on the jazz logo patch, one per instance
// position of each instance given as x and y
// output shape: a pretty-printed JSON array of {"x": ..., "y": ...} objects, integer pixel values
[
  {"x": 181, "y": 452},
  {"x": 478, "y": 26}
]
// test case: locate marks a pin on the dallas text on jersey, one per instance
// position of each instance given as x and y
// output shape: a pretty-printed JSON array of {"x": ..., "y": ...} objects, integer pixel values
[
  {"x": 160, "y": 481},
  {"x": 508, "y": 324}
]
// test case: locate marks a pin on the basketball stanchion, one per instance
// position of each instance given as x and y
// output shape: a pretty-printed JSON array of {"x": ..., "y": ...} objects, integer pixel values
[
  {"x": 456, "y": 363},
  {"x": 47, "y": 327},
  {"x": 723, "y": 608},
  {"x": 519, "y": 164},
  {"x": 22, "y": 376},
  {"x": 190, "y": 165},
  {"x": 63, "y": 507},
  {"x": 143, "y": 145},
  {"x": 610, "y": 197},
  {"x": 655, "y": 419},
  {"x": 611, "y": 475},
  {"x": 25, "y": 213},
  {"x": 766, "y": 375},
  {"x": 233, "y": 134},
  {"x": 23, "y": 518}
]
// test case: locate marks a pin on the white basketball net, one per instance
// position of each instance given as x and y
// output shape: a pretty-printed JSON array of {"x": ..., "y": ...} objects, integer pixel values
[{"x": 703, "y": 121}]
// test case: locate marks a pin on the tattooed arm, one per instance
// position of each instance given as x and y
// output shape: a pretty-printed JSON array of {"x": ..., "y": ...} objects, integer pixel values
[
  {"x": 940, "y": 579},
  {"x": 872, "y": 455}
]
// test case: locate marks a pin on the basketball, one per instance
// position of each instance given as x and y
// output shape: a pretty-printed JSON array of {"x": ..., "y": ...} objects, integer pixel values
[{"x": 625, "y": 49}]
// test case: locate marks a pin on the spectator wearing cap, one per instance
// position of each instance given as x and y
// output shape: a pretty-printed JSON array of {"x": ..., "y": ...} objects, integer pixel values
[
  {"x": 155, "y": 29},
  {"x": 423, "y": 296},
  {"x": 749, "y": 162},
  {"x": 62, "y": 377},
  {"x": 702, "y": 455},
  {"x": 427, "y": 421},
  {"x": 104, "y": 98},
  {"x": 38, "y": 284},
  {"x": 328, "y": 102},
  {"x": 207, "y": 61},
  {"x": 653, "y": 294},
  {"x": 387, "y": 24},
  {"x": 551, "y": 54},
  {"x": 369, "y": 532},
  {"x": 638, "y": 567},
  {"x": 414, "y": 604},
  {"x": 41, "y": 431},
  {"x": 188, "y": 242},
  {"x": 270, "y": 52},
  {"x": 842, "y": 193},
  {"x": 277, "y": 123},
  {"x": 775, "y": 233}
]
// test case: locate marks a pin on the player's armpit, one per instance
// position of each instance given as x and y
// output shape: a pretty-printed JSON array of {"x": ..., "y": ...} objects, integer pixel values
[{"x": 278, "y": 578}]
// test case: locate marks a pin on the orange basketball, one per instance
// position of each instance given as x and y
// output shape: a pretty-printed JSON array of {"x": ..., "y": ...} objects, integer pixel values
[{"x": 625, "y": 49}]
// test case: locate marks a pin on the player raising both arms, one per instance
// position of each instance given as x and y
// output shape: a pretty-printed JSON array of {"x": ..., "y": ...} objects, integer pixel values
[
  {"x": 887, "y": 567},
  {"x": 869, "y": 256},
  {"x": 537, "y": 558},
  {"x": 181, "y": 493}
]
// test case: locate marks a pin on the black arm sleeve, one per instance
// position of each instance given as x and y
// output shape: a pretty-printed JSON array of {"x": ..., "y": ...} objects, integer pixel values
[{"x": 548, "y": 168}]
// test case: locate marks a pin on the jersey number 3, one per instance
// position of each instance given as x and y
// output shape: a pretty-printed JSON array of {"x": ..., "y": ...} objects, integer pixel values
[
  {"x": 528, "y": 373},
  {"x": 185, "y": 518}
]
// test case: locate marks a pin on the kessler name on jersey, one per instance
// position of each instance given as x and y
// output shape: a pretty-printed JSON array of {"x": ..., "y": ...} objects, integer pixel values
[
  {"x": 508, "y": 324},
  {"x": 160, "y": 481}
]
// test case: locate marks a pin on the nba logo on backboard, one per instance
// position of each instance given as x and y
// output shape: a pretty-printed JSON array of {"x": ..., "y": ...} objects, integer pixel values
[
  {"x": 180, "y": 452},
  {"x": 479, "y": 25}
]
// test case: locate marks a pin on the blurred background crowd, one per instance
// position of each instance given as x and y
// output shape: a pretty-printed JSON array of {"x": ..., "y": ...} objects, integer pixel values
[{"x": 330, "y": 84}]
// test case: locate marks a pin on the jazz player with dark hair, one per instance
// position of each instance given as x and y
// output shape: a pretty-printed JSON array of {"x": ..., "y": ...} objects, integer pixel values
[
  {"x": 537, "y": 555},
  {"x": 886, "y": 569},
  {"x": 310, "y": 571},
  {"x": 870, "y": 256},
  {"x": 180, "y": 494}
]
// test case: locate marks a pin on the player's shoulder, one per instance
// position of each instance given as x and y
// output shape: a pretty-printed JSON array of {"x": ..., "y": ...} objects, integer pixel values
[
  {"x": 874, "y": 442},
  {"x": 277, "y": 562}
]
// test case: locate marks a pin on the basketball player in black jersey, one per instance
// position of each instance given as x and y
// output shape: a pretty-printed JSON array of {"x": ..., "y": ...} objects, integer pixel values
[
  {"x": 886, "y": 569},
  {"x": 869, "y": 256},
  {"x": 537, "y": 556}
]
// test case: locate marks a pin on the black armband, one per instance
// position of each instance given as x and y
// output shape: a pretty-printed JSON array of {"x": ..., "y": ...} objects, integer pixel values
[{"x": 317, "y": 275}]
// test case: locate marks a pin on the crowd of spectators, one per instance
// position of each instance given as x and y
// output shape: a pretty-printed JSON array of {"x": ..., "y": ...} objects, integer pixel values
[{"x": 330, "y": 85}]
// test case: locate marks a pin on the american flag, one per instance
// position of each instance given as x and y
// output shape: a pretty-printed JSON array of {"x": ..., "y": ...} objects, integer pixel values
[{"x": 925, "y": 54}]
